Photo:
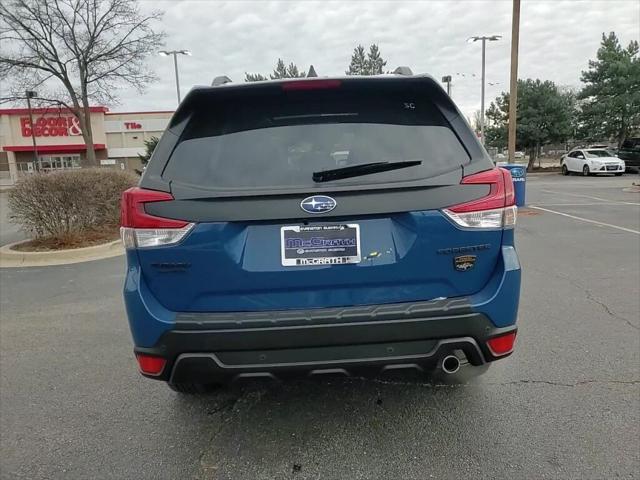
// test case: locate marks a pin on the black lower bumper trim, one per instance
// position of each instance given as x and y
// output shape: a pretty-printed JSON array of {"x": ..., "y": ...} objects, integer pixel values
[
  {"x": 223, "y": 354},
  {"x": 366, "y": 360}
]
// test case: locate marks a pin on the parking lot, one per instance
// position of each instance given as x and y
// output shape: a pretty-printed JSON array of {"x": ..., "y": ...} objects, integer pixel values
[{"x": 565, "y": 405}]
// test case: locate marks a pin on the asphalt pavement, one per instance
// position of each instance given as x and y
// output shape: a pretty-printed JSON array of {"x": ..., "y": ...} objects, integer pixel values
[{"x": 565, "y": 405}]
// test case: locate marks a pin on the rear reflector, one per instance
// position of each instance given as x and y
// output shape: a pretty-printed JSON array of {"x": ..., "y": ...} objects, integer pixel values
[
  {"x": 321, "y": 84},
  {"x": 140, "y": 229},
  {"x": 502, "y": 345},
  {"x": 495, "y": 210},
  {"x": 150, "y": 365}
]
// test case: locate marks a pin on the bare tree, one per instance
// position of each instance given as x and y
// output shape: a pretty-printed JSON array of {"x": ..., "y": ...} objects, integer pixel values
[{"x": 76, "y": 51}]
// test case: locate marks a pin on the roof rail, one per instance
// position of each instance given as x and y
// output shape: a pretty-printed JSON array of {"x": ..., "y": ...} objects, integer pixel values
[
  {"x": 403, "y": 71},
  {"x": 221, "y": 80}
]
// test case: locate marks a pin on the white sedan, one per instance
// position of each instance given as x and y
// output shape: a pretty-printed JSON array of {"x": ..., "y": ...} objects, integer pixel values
[{"x": 591, "y": 161}]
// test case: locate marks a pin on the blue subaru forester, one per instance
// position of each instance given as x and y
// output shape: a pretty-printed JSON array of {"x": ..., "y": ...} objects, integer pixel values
[{"x": 319, "y": 226}]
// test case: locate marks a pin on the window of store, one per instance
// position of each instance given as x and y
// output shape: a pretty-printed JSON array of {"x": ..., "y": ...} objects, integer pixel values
[
  {"x": 58, "y": 162},
  {"x": 25, "y": 167}
]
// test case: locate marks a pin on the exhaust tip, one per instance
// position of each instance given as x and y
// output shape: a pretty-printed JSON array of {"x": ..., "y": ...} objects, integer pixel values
[{"x": 450, "y": 364}]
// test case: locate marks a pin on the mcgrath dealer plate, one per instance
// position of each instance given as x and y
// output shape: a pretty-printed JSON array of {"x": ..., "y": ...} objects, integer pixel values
[{"x": 308, "y": 245}]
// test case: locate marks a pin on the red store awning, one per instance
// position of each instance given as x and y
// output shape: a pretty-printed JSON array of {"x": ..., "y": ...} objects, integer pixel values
[{"x": 68, "y": 148}]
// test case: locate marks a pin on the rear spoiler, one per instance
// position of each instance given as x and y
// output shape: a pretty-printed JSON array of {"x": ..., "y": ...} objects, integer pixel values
[
  {"x": 223, "y": 79},
  {"x": 223, "y": 85},
  {"x": 200, "y": 97}
]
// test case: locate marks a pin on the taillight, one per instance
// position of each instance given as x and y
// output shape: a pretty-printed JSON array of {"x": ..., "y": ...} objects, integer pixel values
[
  {"x": 140, "y": 229},
  {"x": 150, "y": 365},
  {"x": 502, "y": 345},
  {"x": 496, "y": 210}
]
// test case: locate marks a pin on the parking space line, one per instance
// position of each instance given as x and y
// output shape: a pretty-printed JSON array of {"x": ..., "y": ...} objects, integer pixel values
[
  {"x": 628, "y": 230},
  {"x": 592, "y": 197},
  {"x": 583, "y": 204}
]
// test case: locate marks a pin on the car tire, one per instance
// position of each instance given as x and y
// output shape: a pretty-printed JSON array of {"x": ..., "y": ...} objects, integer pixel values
[
  {"x": 193, "y": 388},
  {"x": 565, "y": 170},
  {"x": 585, "y": 171},
  {"x": 618, "y": 174}
]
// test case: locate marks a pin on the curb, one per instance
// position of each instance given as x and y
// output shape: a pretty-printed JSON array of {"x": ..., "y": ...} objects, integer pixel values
[{"x": 14, "y": 259}]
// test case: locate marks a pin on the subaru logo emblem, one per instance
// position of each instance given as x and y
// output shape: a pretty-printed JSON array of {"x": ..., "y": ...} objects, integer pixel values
[
  {"x": 318, "y": 204},
  {"x": 517, "y": 172}
]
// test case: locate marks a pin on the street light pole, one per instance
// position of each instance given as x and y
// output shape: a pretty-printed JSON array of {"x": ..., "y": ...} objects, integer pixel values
[
  {"x": 175, "y": 66},
  {"x": 447, "y": 79},
  {"x": 31, "y": 94},
  {"x": 175, "y": 53},
  {"x": 484, "y": 39}
]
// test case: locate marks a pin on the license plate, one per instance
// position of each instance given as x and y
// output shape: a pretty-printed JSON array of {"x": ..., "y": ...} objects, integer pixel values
[{"x": 306, "y": 245}]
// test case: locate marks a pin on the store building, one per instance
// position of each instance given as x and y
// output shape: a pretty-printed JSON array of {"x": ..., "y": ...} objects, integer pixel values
[{"x": 118, "y": 139}]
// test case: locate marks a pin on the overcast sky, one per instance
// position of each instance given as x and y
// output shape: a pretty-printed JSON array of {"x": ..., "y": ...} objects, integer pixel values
[{"x": 557, "y": 39}]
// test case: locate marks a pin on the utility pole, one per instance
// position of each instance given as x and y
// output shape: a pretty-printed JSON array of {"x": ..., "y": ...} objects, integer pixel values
[
  {"x": 31, "y": 94},
  {"x": 484, "y": 49},
  {"x": 513, "y": 87}
]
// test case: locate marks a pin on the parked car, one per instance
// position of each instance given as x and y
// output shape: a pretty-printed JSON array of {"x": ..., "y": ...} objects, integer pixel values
[
  {"x": 591, "y": 162},
  {"x": 595, "y": 146},
  {"x": 319, "y": 226},
  {"x": 630, "y": 153}
]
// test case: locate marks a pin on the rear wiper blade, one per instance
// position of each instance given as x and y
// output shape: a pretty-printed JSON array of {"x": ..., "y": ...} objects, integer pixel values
[{"x": 362, "y": 169}]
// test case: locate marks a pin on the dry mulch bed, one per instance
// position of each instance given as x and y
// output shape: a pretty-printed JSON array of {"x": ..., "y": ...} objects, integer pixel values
[{"x": 71, "y": 241}]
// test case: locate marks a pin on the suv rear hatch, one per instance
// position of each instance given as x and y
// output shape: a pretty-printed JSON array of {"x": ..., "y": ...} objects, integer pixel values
[{"x": 239, "y": 162}]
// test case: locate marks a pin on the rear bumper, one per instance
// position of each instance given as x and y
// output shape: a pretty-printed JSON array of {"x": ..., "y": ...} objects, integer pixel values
[
  {"x": 349, "y": 340},
  {"x": 418, "y": 337}
]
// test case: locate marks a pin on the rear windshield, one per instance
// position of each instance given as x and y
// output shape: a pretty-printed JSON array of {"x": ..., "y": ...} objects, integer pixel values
[{"x": 278, "y": 141}]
